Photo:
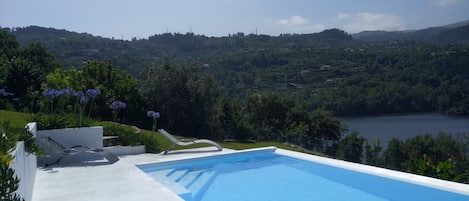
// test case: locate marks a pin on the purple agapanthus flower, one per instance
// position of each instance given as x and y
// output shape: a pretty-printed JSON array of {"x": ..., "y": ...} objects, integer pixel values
[
  {"x": 3, "y": 92},
  {"x": 81, "y": 96},
  {"x": 83, "y": 99},
  {"x": 51, "y": 93},
  {"x": 153, "y": 114},
  {"x": 117, "y": 105},
  {"x": 92, "y": 93},
  {"x": 66, "y": 92}
]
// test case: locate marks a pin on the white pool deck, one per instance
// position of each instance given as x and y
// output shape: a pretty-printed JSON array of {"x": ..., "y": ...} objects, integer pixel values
[
  {"x": 122, "y": 180},
  {"x": 97, "y": 180}
]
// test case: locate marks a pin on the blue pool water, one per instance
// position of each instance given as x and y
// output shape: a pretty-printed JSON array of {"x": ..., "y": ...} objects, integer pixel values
[{"x": 267, "y": 176}]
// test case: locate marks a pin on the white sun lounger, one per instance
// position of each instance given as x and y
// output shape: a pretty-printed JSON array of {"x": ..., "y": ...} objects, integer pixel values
[
  {"x": 182, "y": 143},
  {"x": 57, "y": 151}
]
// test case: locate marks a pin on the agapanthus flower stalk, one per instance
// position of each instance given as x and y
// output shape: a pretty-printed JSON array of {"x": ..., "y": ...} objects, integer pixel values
[
  {"x": 116, "y": 106},
  {"x": 154, "y": 115}
]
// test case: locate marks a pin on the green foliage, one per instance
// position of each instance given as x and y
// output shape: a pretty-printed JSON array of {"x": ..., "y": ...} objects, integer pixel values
[
  {"x": 442, "y": 156},
  {"x": 130, "y": 136},
  {"x": 152, "y": 143},
  {"x": 350, "y": 148},
  {"x": 57, "y": 121},
  {"x": 440, "y": 169},
  {"x": 335, "y": 72},
  {"x": 11, "y": 135},
  {"x": 373, "y": 153},
  {"x": 126, "y": 135},
  {"x": 22, "y": 70},
  {"x": 269, "y": 111},
  {"x": 325, "y": 126},
  {"x": 185, "y": 98},
  {"x": 113, "y": 84},
  {"x": 8, "y": 184}
]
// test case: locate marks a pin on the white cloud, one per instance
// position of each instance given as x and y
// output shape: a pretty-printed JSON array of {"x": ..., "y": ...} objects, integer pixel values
[
  {"x": 293, "y": 21},
  {"x": 299, "y": 24},
  {"x": 445, "y": 2},
  {"x": 366, "y": 21}
]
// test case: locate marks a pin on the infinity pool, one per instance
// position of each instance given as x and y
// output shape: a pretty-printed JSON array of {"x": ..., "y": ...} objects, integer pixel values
[{"x": 265, "y": 175}]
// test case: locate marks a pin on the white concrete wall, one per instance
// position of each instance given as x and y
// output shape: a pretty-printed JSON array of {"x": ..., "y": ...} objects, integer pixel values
[
  {"x": 25, "y": 165},
  {"x": 126, "y": 150},
  {"x": 91, "y": 137}
]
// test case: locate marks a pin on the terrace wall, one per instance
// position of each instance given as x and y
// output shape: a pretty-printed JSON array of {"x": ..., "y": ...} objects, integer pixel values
[
  {"x": 91, "y": 137},
  {"x": 25, "y": 165}
]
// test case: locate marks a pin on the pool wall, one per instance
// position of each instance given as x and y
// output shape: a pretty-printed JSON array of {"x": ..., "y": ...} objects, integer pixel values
[{"x": 355, "y": 168}]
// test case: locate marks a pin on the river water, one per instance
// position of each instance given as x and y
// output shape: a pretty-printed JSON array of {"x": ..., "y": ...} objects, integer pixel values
[{"x": 403, "y": 126}]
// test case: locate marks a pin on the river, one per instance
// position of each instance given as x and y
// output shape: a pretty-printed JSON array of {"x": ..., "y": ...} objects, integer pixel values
[{"x": 403, "y": 126}]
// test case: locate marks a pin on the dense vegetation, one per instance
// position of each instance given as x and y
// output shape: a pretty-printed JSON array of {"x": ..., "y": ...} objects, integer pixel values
[
  {"x": 328, "y": 69},
  {"x": 249, "y": 88}
]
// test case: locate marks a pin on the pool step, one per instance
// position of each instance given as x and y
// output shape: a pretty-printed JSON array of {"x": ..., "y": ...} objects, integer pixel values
[
  {"x": 200, "y": 184},
  {"x": 162, "y": 177},
  {"x": 190, "y": 178},
  {"x": 190, "y": 185},
  {"x": 177, "y": 174}
]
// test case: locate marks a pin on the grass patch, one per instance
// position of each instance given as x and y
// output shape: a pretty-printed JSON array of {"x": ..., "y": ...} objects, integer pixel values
[
  {"x": 16, "y": 119},
  {"x": 19, "y": 120}
]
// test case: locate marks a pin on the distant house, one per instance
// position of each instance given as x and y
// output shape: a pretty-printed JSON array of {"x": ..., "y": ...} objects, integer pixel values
[
  {"x": 291, "y": 85},
  {"x": 325, "y": 67},
  {"x": 329, "y": 82}
]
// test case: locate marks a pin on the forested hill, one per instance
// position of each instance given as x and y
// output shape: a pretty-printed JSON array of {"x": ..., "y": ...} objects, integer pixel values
[
  {"x": 328, "y": 69},
  {"x": 72, "y": 49},
  {"x": 452, "y": 33}
]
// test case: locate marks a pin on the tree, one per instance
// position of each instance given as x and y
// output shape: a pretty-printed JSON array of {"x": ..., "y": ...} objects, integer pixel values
[
  {"x": 270, "y": 113},
  {"x": 23, "y": 70},
  {"x": 324, "y": 128},
  {"x": 350, "y": 148},
  {"x": 113, "y": 84},
  {"x": 395, "y": 154},
  {"x": 373, "y": 153},
  {"x": 230, "y": 121},
  {"x": 184, "y": 97},
  {"x": 8, "y": 44}
]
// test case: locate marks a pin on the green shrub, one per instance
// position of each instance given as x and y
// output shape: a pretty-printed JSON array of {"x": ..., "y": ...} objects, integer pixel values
[
  {"x": 8, "y": 184},
  {"x": 151, "y": 142},
  {"x": 57, "y": 121},
  {"x": 129, "y": 136},
  {"x": 126, "y": 135}
]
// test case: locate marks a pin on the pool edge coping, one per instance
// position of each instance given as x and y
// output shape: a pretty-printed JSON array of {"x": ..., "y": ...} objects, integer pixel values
[
  {"x": 431, "y": 182},
  {"x": 421, "y": 180}
]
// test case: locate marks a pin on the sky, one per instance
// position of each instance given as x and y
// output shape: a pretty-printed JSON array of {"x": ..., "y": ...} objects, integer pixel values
[{"x": 126, "y": 19}]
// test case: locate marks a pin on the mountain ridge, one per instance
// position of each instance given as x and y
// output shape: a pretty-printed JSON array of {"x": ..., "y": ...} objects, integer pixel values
[{"x": 451, "y": 33}]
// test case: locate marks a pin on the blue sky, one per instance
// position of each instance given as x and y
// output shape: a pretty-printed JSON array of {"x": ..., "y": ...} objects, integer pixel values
[{"x": 143, "y": 18}]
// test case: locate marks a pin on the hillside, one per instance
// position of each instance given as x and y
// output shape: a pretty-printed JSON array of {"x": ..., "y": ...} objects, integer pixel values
[
  {"x": 329, "y": 69},
  {"x": 245, "y": 56},
  {"x": 72, "y": 49},
  {"x": 452, "y": 33}
]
